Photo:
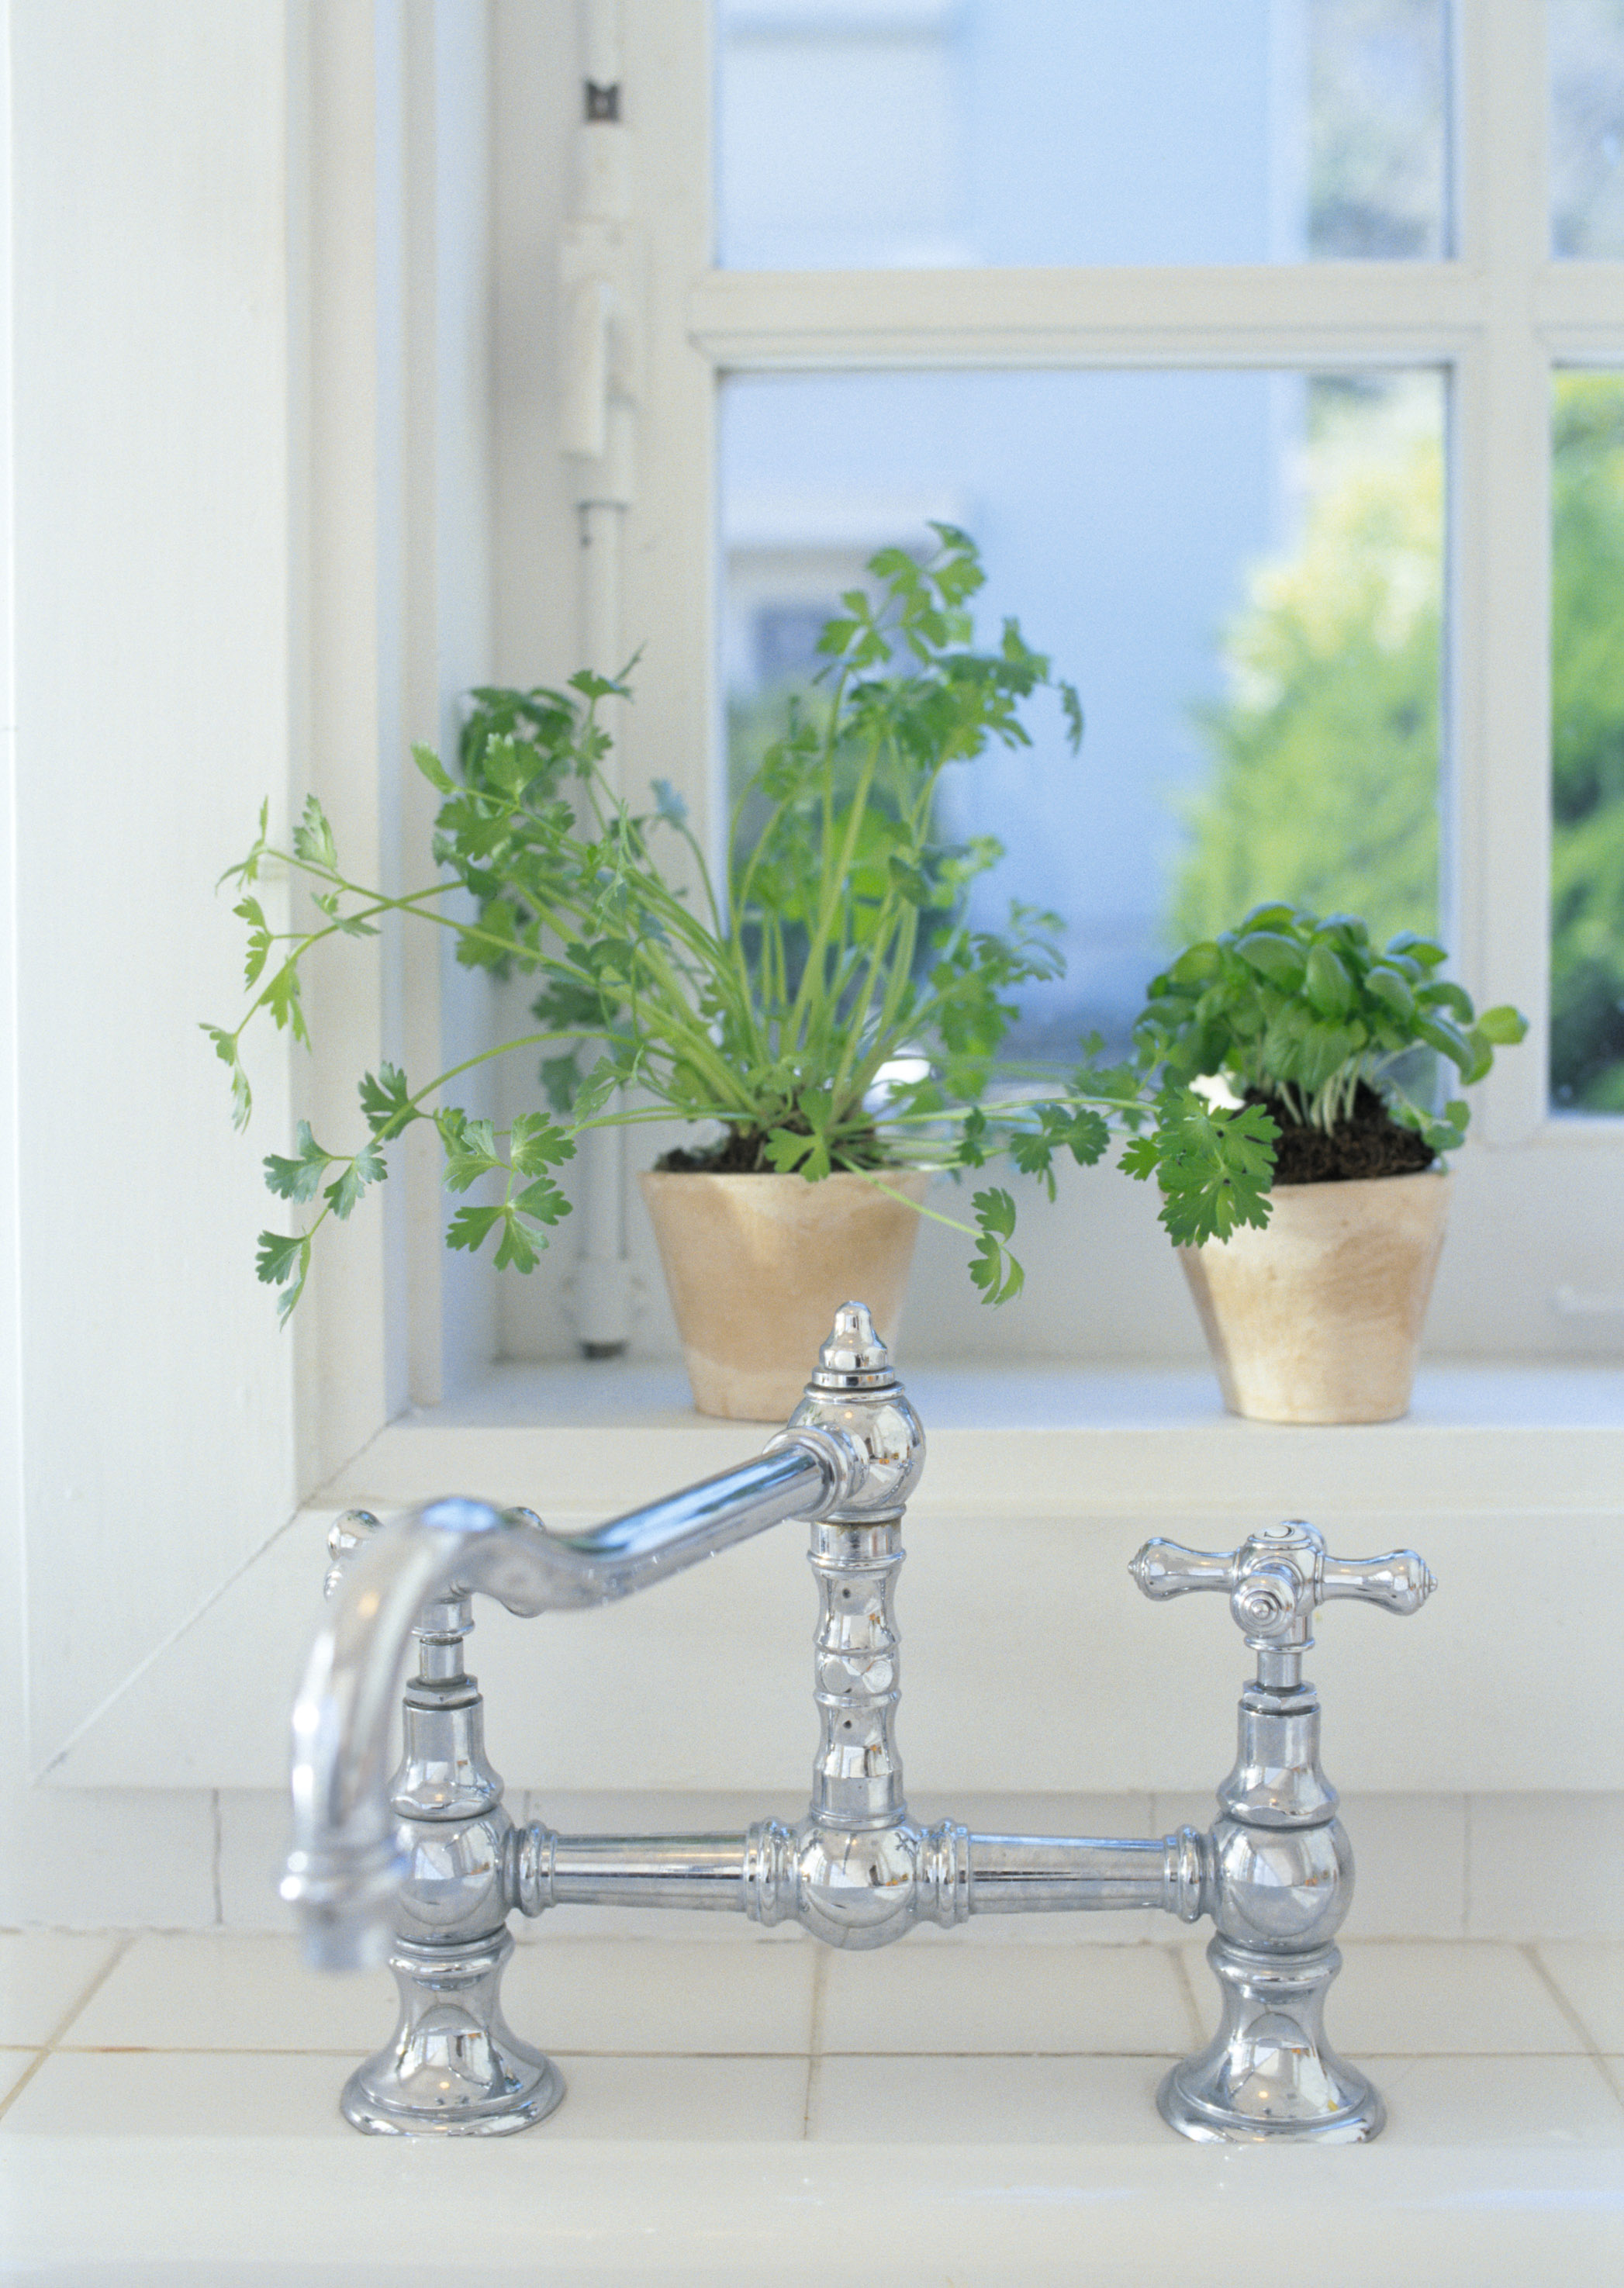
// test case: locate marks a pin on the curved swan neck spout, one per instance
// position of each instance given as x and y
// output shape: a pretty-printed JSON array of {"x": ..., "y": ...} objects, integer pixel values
[{"x": 347, "y": 1859}]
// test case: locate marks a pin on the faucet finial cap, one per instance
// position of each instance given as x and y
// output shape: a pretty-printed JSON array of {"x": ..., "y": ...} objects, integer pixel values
[{"x": 853, "y": 1357}]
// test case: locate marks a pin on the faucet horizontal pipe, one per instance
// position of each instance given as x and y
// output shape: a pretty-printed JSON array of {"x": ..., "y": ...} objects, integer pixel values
[
  {"x": 1060, "y": 1874},
  {"x": 633, "y": 1870},
  {"x": 1008, "y": 1874}
]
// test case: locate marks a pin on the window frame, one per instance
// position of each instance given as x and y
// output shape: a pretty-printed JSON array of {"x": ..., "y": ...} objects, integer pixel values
[{"x": 1498, "y": 315}]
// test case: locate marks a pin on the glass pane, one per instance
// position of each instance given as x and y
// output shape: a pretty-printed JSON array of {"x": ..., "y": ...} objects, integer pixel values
[
  {"x": 1241, "y": 571},
  {"x": 1587, "y": 127},
  {"x": 1588, "y": 745},
  {"x": 857, "y": 134}
]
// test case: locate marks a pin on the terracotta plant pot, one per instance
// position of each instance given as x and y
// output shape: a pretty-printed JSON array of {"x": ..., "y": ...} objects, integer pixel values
[
  {"x": 757, "y": 1265},
  {"x": 1318, "y": 1318}
]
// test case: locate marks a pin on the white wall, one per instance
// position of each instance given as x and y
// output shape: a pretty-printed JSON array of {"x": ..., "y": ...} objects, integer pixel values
[{"x": 249, "y": 559}]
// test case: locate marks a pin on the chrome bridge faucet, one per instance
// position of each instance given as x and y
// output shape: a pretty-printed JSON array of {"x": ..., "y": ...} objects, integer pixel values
[{"x": 423, "y": 1870}]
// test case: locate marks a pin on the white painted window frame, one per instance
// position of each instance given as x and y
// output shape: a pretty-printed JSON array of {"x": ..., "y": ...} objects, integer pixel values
[{"x": 1498, "y": 316}]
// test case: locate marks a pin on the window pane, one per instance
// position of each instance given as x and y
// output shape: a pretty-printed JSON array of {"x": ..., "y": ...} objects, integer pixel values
[
  {"x": 1586, "y": 126},
  {"x": 856, "y": 134},
  {"x": 1241, "y": 571},
  {"x": 1588, "y": 745}
]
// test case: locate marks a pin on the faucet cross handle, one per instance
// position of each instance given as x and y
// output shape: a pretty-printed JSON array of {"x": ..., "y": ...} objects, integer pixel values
[{"x": 1278, "y": 1576}]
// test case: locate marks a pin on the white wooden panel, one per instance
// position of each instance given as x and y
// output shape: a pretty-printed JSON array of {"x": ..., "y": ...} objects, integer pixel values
[
  {"x": 1031, "y": 1662},
  {"x": 151, "y": 486}
]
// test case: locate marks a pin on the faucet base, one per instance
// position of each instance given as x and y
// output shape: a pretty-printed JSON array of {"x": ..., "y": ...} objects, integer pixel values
[
  {"x": 453, "y": 2069},
  {"x": 1269, "y": 2071}
]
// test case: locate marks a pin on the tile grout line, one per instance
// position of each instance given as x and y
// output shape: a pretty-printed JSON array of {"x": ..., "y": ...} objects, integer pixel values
[
  {"x": 1180, "y": 1971},
  {"x": 1593, "y": 2048},
  {"x": 815, "y": 2040},
  {"x": 120, "y": 1951}
]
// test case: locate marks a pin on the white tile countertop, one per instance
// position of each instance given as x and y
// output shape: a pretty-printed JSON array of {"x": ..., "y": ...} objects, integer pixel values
[{"x": 960, "y": 2110}]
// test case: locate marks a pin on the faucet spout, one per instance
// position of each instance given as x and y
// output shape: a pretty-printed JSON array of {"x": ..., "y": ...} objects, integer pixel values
[{"x": 348, "y": 1857}]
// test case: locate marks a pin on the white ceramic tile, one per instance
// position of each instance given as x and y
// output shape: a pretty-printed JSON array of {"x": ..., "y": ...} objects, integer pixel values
[
  {"x": 1515, "y": 1841},
  {"x": 1416, "y": 2000},
  {"x": 1409, "y": 1858},
  {"x": 602, "y": 1995},
  {"x": 693, "y": 2101},
  {"x": 1195, "y": 1807},
  {"x": 43, "y": 1975},
  {"x": 253, "y": 1845},
  {"x": 13, "y": 2065},
  {"x": 1591, "y": 1977},
  {"x": 88, "y": 2093},
  {"x": 1551, "y": 2103},
  {"x": 107, "y": 1858},
  {"x": 1014, "y": 2000},
  {"x": 231, "y": 1990},
  {"x": 987, "y": 2101}
]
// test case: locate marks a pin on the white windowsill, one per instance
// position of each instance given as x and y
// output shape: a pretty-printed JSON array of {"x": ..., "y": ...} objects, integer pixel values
[
  {"x": 1045, "y": 1439},
  {"x": 1040, "y": 1483}
]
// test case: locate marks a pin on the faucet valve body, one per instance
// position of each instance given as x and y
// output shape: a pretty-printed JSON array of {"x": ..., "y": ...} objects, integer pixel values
[
  {"x": 435, "y": 1846},
  {"x": 1281, "y": 1871}
]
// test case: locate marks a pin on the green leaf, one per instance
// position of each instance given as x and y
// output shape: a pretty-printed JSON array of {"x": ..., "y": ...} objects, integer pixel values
[
  {"x": 970, "y": 1153},
  {"x": 598, "y": 686},
  {"x": 385, "y": 1102},
  {"x": 543, "y": 1201},
  {"x": 560, "y": 1079},
  {"x": 281, "y": 1261},
  {"x": 312, "y": 838},
  {"x": 996, "y": 1213},
  {"x": 471, "y": 1150},
  {"x": 1280, "y": 960},
  {"x": 259, "y": 940},
  {"x": 596, "y": 1090},
  {"x": 1391, "y": 986},
  {"x": 534, "y": 1143},
  {"x": 1070, "y": 706},
  {"x": 1439, "y": 1034},
  {"x": 298, "y": 1179},
  {"x": 1213, "y": 1166},
  {"x": 1445, "y": 994},
  {"x": 279, "y": 1257},
  {"x": 470, "y": 1228},
  {"x": 281, "y": 999},
  {"x": 1503, "y": 1024},
  {"x": 428, "y": 763},
  {"x": 1198, "y": 965},
  {"x": 1329, "y": 987},
  {"x": 225, "y": 1048},
  {"x": 992, "y": 1268},
  {"x": 1427, "y": 950},
  {"x": 365, "y": 1169},
  {"x": 516, "y": 1250}
]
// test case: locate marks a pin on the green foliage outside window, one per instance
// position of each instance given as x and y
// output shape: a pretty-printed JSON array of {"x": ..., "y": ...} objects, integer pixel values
[
  {"x": 1324, "y": 785},
  {"x": 1323, "y": 790},
  {"x": 1588, "y": 745}
]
